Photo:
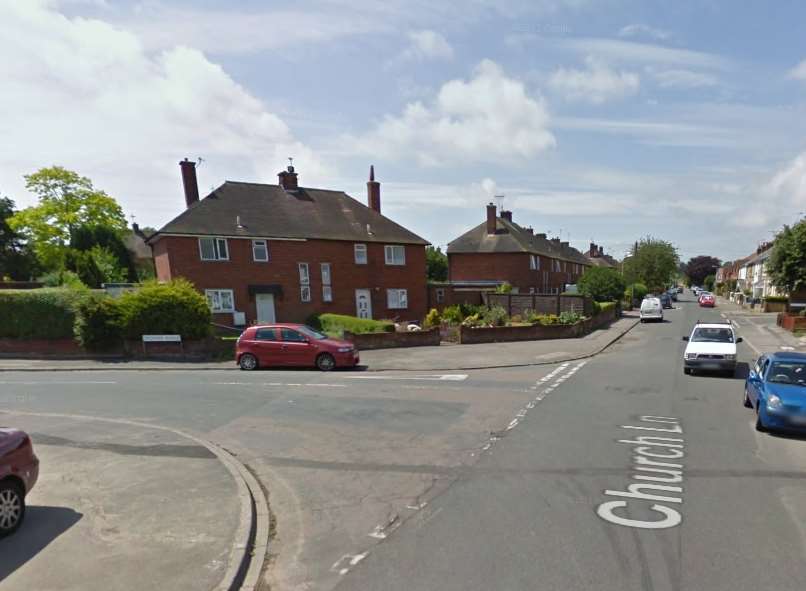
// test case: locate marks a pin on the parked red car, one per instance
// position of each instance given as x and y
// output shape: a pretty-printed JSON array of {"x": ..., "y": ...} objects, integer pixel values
[
  {"x": 292, "y": 345},
  {"x": 707, "y": 301},
  {"x": 19, "y": 469}
]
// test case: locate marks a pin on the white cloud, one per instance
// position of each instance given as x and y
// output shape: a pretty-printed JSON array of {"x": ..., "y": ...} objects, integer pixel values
[
  {"x": 596, "y": 84},
  {"x": 616, "y": 50},
  {"x": 789, "y": 184},
  {"x": 658, "y": 133},
  {"x": 427, "y": 45},
  {"x": 641, "y": 30},
  {"x": 799, "y": 71},
  {"x": 681, "y": 78},
  {"x": 86, "y": 95},
  {"x": 489, "y": 118}
]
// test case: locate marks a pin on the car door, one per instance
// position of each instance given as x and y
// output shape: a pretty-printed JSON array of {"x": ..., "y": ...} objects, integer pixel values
[
  {"x": 758, "y": 383},
  {"x": 267, "y": 346},
  {"x": 753, "y": 379},
  {"x": 296, "y": 349}
]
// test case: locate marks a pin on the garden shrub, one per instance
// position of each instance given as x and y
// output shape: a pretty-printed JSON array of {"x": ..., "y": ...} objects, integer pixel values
[
  {"x": 781, "y": 299},
  {"x": 473, "y": 321},
  {"x": 637, "y": 290},
  {"x": 569, "y": 317},
  {"x": 99, "y": 322},
  {"x": 47, "y": 313},
  {"x": 432, "y": 319},
  {"x": 165, "y": 308},
  {"x": 496, "y": 316},
  {"x": 470, "y": 309},
  {"x": 337, "y": 324},
  {"x": 453, "y": 315},
  {"x": 599, "y": 307}
]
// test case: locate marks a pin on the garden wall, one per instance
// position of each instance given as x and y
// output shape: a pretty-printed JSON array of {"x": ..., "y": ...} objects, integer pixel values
[
  {"x": 791, "y": 322},
  {"x": 34, "y": 348},
  {"x": 535, "y": 332},
  {"x": 391, "y": 340},
  {"x": 773, "y": 306},
  {"x": 520, "y": 304}
]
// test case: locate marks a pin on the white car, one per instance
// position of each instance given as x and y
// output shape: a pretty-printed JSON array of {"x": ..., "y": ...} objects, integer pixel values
[
  {"x": 711, "y": 347},
  {"x": 651, "y": 309}
]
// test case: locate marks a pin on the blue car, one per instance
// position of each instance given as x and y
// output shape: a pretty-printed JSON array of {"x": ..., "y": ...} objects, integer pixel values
[{"x": 776, "y": 389}]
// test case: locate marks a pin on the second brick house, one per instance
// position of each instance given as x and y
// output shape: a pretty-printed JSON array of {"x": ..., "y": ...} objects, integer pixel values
[
  {"x": 266, "y": 253},
  {"x": 499, "y": 250}
]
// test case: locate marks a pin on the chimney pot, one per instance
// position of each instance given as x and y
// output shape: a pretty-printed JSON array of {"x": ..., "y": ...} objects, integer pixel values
[
  {"x": 541, "y": 236},
  {"x": 491, "y": 218},
  {"x": 601, "y": 251},
  {"x": 189, "y": 182},
  {"x": 530, "y": 230},
  {"x": 373, "y": 191},
  {"x": 507, "y": 215}
]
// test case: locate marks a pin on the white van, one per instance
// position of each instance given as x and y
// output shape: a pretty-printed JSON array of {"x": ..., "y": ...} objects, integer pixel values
[{"x": 651, "y": 309}]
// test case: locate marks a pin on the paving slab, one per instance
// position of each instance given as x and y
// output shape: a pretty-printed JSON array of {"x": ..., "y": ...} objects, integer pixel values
[{"x": 120, "y": 507}]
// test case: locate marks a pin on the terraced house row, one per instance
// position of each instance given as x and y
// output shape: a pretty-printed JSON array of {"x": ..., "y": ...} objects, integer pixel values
[{"x": 266, "y": 253}]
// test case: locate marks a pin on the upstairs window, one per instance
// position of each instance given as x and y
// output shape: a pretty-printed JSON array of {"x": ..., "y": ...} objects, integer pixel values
[
  {"x": 213, "y": 249},
  {"x": 534, "y": 262},
  {"x": 395, "y": 255},
  {"x": 360, "y": 254},
  {"x": 260, "y": 251}
]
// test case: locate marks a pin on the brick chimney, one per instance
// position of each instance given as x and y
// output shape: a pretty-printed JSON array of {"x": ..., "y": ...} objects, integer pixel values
[
  {"x": 541, "y": 236},
  {"x": 491, "y": 218},
  {"x": 531, "y": 230},
  {"x": 373, "y": 191},
  {"x": 189, "y": 182},
  {"x": 601, "y": 251},
  {"x": 507, "y": 215},
  {"x": 288, "y": 179},
  {"x": 592, "y": 251},
  {"x": 564, "y": 244},
  {"x": 555, "y": 241}
]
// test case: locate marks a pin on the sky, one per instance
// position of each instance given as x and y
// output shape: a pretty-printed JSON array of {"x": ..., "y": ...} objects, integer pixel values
[{"x": 598, "y": 120}]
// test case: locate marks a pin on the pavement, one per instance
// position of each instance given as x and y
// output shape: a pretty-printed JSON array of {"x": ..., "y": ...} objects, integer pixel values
[
  {"x": 442, "y": 358},
  {"x": 121, "y": 506},
  {"x": 760, "y": 329}
]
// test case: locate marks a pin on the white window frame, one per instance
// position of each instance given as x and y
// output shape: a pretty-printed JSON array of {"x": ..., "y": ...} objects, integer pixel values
[
  {"x": 265, "y": 244},
  {"x": 327, "y": 276},
  {"x": 217, "y": 248},
  {"x": 304, "y": 273},
  {"x": 360, "y": 254},
  {"x": 390, "y": 251},
  {"x": 534, "y": 262},
  {"x": 305, "y": 293},
  {"x": 397, "y": 299},
  {"x": 214, "y": 300},
  {"x": 557, "y": 267}
]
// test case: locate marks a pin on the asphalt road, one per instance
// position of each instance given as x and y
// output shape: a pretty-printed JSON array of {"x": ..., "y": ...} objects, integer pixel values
[{"x": 527, "y": 515}]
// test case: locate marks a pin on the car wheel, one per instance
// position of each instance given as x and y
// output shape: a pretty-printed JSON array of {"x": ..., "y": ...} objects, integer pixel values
[
  {"x": 325, "y": 362},
  {"x": 747, "y": 403},
  {"x": 687, "y": 370},
  {"x": 12, "y": 507},
  {"x": 247, "y": 362}
]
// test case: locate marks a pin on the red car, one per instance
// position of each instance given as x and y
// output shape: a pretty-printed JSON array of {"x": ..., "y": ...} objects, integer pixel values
[
  {"x": 707, "y": 301},
  {"x": 19, "y": 469},
  {"x": 292, "y": 345}
]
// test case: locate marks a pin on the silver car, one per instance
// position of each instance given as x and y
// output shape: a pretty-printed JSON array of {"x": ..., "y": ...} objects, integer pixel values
[{"x": 651, "y": 309}]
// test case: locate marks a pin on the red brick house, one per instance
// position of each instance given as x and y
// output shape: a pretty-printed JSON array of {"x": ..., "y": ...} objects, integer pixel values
[
  {"x": 499, "y": 250},
  {"x": 597, "y": 257},
  {"x": 266, "y": 253}
]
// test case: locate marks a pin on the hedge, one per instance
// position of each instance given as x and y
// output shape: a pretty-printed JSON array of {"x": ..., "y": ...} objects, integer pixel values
[
  {"x": 336, "y": 324},
  {"x": 599, "y": 307},
  {"x": 47, "y": 313},
  {"x": 782, "y": 299},
  {"x": 99, "y": 323}
]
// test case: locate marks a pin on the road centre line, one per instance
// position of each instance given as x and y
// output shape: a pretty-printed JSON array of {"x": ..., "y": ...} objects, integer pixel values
[{"x": 438, "y": 377}]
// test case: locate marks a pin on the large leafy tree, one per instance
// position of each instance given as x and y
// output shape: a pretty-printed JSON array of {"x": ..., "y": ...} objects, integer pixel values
[
  {"x": 67, "y": 201},
  {"x": 787, "y": 263},
  {"x": 16, "y": 260},
  {"x": 700, "y": 267},
  {"x": 603, "y": 284},
  {"x": 436, "y": 263},
  {"x": 653, "y": 262}
]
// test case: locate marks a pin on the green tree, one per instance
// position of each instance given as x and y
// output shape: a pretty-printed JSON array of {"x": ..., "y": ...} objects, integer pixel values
[
  {"x": 66, "y": 202},
  {"x": 105, "y": 242},
  {"x": 708, "y": 282},
  {"x": 700, "y": 267},
  {"x": 653, "y": 262},
  {"x": 436, "y": 264},
  {"x": 16, "y": 260},
  {"x": 787, "y": 263},
  {"x": 603, "y": 284}
]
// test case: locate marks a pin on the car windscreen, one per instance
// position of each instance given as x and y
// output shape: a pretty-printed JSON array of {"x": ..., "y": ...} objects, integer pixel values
[
  {"x": 712, "y": 335},
  {"x": 311, "y": 333},
  {"x": 788, "y": 372}
]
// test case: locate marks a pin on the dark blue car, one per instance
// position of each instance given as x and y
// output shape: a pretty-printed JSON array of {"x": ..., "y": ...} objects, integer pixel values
[{"x": 776, "y": 389}]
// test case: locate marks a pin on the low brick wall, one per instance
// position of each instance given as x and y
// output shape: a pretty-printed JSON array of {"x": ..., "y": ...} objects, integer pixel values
[
  {"x": 32, "y": 348},
  {"x": 391, "y": 340},
  {"x": 774, "y": 306},
  {"x": 535, "y": 332},
  {"x": 791, "y": 322},
  {"x": 195, "y": 350},
  {"x": 69, "y": 349}
]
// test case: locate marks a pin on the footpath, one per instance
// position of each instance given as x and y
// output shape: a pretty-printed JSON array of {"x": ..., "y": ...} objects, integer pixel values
[
  {"x": 759, "y": 329},
  {"x": 445, "y": 357}
]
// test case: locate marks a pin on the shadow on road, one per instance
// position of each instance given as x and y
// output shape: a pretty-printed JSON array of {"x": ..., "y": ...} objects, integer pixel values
[{"x": 42, "y": 525}]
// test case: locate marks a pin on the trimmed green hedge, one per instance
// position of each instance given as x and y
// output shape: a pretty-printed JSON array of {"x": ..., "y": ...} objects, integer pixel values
[
  {"x": 47, "y": 313},
  {"x": 99, "y": 323},
  {"x": 165, "y": 308},
  {"x": 782, "y": 299},
  {"x": 336, "y": 324},
  {"x": 599, "y": 307}
]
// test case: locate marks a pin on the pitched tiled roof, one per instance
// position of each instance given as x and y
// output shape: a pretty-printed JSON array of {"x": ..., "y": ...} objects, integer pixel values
[
  {"x": 510, "y": 237},
  {"x": 268, "y": 211}
]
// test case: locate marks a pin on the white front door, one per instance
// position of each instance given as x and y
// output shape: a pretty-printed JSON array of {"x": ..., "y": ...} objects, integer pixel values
[
  {"x": 265, "y": 308},
  {"x": 363, "y": 303}
]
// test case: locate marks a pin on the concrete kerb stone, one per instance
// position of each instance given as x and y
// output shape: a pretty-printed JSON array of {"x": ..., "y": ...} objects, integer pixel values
[
  {"x": 249, "y": 551},
  {"x": 418, "y": 369}
]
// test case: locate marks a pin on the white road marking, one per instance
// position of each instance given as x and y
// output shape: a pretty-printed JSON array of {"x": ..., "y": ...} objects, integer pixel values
[
  {"x": 350, "y": 559},
  {"x": 787, "y": 348},
  {"x": 42, "y": 383},
  {"x": 439, "y": 377},
  {"x": 275, "y": 384}
]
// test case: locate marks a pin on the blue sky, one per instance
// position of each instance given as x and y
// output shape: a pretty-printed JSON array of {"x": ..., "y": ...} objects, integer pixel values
[{"x": 602, "y": 120}]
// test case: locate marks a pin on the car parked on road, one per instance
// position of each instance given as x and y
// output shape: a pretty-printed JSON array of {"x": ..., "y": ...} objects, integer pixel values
[
  {"x": 673, "y": 294},
  {"x": 776, "y": 389},
  {"x": 651, "y": 309},
  {"x": 711, "y": 347},
  {"x": 19, "y": 470},
  {"x": 292, "y": 345},
  {"x": 666, "y": 300}
]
